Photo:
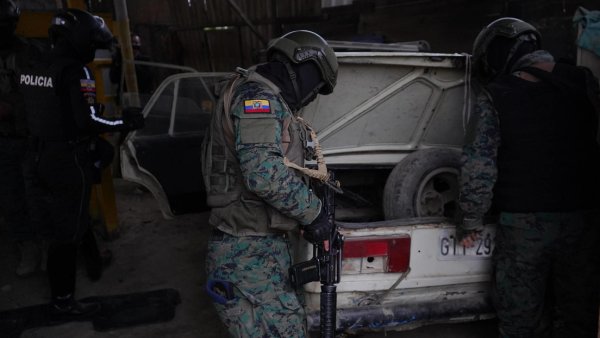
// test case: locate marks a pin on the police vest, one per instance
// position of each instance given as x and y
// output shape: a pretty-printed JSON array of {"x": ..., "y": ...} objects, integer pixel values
[
  {"x": 548, "y": 152},
  {"x": 18, "y": 54},
  {"x": 236, "y": 210},
  {"x": 49, "y": 119}
]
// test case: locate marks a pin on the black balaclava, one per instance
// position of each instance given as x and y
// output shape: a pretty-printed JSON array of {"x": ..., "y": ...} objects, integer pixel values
[
  {"x": 499, "y": 50},
  {"x": 525, "y": 48},
  {"x": 62, "y": 47},
  {"x": 308, "y": 77}
]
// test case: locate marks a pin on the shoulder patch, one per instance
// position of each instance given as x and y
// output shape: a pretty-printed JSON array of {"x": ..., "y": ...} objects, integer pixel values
[
  {"x": 87, "y": 85},
  {"x": 257, "y": 107}
]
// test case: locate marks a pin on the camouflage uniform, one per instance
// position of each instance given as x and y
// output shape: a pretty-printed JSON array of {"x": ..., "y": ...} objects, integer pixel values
[
  {"x": 537, "y": 254},
  {"x": 263, "y": 304},
  {"x": 249, "y": 252}
]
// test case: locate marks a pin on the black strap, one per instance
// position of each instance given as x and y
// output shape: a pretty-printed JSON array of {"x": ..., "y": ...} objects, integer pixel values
[
  {"x": 549, "y": 77},
  {"x": 571, "y": 88}
]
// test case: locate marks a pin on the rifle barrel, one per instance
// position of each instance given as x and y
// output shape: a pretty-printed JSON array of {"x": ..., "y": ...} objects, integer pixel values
[{"x": 328, "y": 310}]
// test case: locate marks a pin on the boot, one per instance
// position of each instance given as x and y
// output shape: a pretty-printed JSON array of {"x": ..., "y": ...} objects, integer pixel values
[
  {"x": 29, "y": 255},
  {"x": 68, "y": 309}
]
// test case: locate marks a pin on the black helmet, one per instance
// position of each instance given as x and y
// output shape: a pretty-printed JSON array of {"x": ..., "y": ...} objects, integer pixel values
[
  {"x": 9, "y": 16},
  {"x": 83, "y": 31},
  {"x": 303, "y": 46},
  {"x": 509, "y": 32}
]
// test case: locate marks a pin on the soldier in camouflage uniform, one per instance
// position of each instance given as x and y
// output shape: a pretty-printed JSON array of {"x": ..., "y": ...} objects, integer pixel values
[
  {"x": 255, "y": 197},
  {"x": 531, "y": 154}
]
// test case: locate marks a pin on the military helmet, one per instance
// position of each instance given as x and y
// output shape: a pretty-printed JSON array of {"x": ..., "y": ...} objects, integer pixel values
[
  {"x": 303, "y": 46},
  {"x": 513, "y": 29},
  {"x": 85, "y": 32},
  {"x": 9, "y": 16}
]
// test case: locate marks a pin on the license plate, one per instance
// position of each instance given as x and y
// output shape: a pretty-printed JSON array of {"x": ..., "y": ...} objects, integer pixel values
[{"x": 450, "y": 248}]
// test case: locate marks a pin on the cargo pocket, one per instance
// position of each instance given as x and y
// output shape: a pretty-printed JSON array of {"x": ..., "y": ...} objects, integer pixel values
[
  {"x": 235, "y": 315},
  {"x": 289, "y": 301},
  {"x": 287, "y": 319}
]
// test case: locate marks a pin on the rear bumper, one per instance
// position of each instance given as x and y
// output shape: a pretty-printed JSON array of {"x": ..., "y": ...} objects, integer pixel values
[{"x": 402, "y": 316}]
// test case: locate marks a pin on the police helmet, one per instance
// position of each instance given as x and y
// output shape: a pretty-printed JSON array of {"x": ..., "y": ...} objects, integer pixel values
[
  {"x": 511, "y": 30},
  {"x": 9, "y": 16},
  {"x": 83, "y": 31},
  {"x": 303, "y": 46}
]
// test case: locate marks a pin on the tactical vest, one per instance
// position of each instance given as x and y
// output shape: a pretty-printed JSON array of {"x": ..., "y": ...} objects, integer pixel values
[
  {"x": 546, "y": 152},
  {"x": 48, "y": 119},
  {"x": 13, "y": 121},
  {"x": 235, "y": 209}
]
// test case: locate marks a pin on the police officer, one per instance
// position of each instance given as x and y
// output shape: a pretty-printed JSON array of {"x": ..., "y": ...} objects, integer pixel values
[
  {"x": 144, "y": 75},
  {"x": 64, "y": 119},
  {"x": 531, "y": 154},
  {"x": 15, "y": 52},
  {"x": 255, "y": 197}
]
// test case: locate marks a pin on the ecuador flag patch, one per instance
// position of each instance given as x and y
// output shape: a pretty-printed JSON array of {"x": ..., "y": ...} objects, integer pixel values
[
  {"x": 257, "y": 106},
  {"x": 87, "y": 85}
]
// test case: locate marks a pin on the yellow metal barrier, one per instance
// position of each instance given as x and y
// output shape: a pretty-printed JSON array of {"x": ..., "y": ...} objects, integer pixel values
[{"x": 103, "y": 208}]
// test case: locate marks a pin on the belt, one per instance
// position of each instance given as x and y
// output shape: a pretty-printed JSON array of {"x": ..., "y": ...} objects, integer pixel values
[{"x": 218, "y": 235}]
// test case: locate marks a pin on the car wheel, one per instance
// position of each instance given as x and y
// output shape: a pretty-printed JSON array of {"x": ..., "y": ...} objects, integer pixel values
[{"x": 423, "y": 184}]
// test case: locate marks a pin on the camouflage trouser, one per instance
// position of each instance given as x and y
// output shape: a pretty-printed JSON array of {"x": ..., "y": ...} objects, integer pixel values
[
  {"x": 546, "y": 274},
  {"x": 264, "y": 303}
]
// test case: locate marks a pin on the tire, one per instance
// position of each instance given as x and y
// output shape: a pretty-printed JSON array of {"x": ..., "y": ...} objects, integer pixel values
[{"x": 423, "y": 184}]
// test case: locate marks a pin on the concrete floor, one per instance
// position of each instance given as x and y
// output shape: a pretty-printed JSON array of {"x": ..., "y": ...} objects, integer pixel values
[{"x": 153, "y": 253}]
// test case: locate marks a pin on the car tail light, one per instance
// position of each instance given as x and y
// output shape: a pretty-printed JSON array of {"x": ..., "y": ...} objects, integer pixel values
[{"x": 376, "y": 255}]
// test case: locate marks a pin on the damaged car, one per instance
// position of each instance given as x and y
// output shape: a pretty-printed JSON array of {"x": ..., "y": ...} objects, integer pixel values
[{"x": 392, "y": 133}]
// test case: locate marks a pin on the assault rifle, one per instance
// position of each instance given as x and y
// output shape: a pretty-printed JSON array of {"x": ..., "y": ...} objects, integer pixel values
[{"x": 326, "y": 264}]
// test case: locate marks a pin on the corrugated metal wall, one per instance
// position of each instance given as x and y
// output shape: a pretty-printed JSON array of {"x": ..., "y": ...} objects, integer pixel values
[
  {"x": 210, "y": 35},
  {"x": 184, "y": 31},
  {"x": 452, "y": 25}
]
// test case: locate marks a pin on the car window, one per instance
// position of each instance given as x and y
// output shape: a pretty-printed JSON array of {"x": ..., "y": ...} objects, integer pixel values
[
  {"x": 194, "y": 105},
  {"x": 158, "y": 118}
]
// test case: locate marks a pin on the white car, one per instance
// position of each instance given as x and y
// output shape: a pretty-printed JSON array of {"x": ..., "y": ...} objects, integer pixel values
[{"x": 391, "y": 132}]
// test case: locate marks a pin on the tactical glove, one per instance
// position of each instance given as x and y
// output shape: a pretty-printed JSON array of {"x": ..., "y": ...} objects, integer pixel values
[
  {"x": 468, "y": 226},
  {"x": 319, "y": 230}
]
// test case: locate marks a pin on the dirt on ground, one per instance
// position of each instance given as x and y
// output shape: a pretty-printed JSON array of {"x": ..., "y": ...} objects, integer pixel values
[
  {"x": 153, "y": 253},
  {"x": 150, "y": 253}
]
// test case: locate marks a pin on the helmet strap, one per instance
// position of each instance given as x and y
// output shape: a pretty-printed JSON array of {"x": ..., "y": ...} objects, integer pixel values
[
  {"x": 313, "y": 93},
  {"x": 293, "y": 78}
]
